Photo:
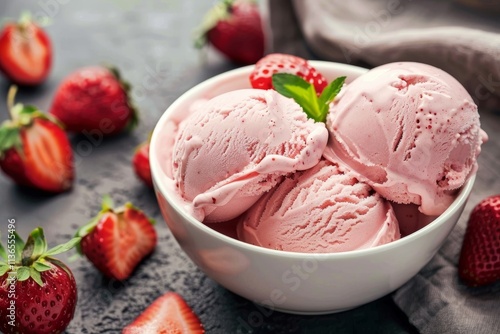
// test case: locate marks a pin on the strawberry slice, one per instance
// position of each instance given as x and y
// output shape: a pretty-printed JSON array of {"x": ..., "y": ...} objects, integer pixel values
[
  {"x": 117, "y": 240},
  {"x": 34, "y": 149},
  {"x": 25, "y": 52},
  {"x": 261, "y": 76},
  {"x": 479, "y": 262},
  {"x": 168, "y": 314}
]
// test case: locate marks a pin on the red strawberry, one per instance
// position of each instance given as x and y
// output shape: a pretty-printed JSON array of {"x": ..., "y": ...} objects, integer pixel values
[
  {"x": 167, "y": 314},
  {"x": 480, "y": 256},
  {"x": 25, "y": 52},
  {"x": 34, "y": 149},
  {"x": 261, "y": 76},
  {"x": 235, "y": 29},
  {"x": 43, "y": 298},
  {"x": 94, "y": 100},
  {"x": 116, "y": 240},
  {"x": 140, "y": 162}
]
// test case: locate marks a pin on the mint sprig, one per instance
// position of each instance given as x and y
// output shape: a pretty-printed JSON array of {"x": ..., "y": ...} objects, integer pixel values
[{"x": 304, "y": 93}]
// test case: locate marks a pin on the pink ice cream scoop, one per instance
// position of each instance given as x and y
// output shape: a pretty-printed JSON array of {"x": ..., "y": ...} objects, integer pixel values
[
  {"x": 237, "y": 146},
  {"x": 322, "y": 210},
  {"x": 410, "y": 130}
]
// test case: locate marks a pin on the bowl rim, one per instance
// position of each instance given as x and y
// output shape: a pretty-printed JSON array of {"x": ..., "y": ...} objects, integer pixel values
[{"x": 456, "y": 205}]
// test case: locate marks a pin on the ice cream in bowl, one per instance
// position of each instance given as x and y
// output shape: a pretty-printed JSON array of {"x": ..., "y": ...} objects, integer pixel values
[{"x": 307, "y": 216}]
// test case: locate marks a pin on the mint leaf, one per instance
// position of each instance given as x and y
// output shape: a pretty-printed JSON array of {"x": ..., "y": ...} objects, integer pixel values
[
  {"x": 328, "y": 94},
  {"x": 301, "y": 91},
  {"x": 283, "y": 81},
  {"x": 304, "y": 93}
]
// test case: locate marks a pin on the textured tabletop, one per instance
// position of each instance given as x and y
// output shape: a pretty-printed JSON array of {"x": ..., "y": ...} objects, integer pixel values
[{"x": 151, "y": 42}]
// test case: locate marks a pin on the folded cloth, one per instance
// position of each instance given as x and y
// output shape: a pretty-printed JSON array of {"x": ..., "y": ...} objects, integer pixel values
[
  {"x": 436, "y": 301},
  {"x": 458, "y": 39}
]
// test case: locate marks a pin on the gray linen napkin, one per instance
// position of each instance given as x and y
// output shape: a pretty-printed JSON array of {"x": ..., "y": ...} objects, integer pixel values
[
  {"x": 458, "y": 39},
  {"x": 463, "y": 42}
]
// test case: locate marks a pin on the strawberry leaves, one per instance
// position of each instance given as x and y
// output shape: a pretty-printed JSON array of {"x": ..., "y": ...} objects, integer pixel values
[
  {"x": 31, "y": 257},
  {"x": 21, "y": 116},
  {"x": 305, "y": 94},
  {"x": 9, "y": 137}
]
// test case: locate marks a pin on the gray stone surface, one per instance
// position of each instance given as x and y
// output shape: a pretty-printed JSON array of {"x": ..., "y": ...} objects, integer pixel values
[{"x": 150, "y": 41}]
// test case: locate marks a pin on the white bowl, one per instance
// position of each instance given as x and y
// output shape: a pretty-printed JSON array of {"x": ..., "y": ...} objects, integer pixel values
[{"x": 286, "y": 281}]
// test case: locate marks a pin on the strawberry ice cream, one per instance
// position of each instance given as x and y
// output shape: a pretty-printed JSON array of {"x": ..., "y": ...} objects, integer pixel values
[
  {"x": 400, "y": 138},
  {"x": 322, "y": 210},
  {"x": 237, "y": 146},
  {"x": 409, "y": 130}
]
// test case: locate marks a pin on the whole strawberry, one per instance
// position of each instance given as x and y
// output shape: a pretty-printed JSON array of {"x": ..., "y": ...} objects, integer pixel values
[
  {"x": 168, "y": 314},
  {"x": 25, "y": 52},
  {"x": 140, "y": 162},
  {"x": 94, "y": 101},
  {"x": 235, "y": 29},
  {"x": 117, "y": 240},
  {"x": 37, "y": 292},
  {"x": 261, "y": 76},
  {"x": 34, "y": 149},
  {"x": 479, "y": 262}
]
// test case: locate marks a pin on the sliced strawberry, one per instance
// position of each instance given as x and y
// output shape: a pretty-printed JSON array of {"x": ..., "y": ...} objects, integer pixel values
[
  {"x": 261, "y": 76},
  {"x": 48, "y": 156},
  {"x": 140, "y": 161},
  {"x": 479, "y": 262},
  {"x": 35, "y": 151},
  {"x": 25, "y": 52},
  {"x": 117, "y": 240},
  {"x": 168, "y": 314}
]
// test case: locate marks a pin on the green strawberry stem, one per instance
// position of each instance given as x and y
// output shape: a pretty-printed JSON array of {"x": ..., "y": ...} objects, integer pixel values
[
  {"x": 26, "y": 18},
  {"x": 304, "y": 93},
  {"x": 11, "y": 95},
  {"x": 31, "y": 257},
  {"x": 107, "y": 205}
]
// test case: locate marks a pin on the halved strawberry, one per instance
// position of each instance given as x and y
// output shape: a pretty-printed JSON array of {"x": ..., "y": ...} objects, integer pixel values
[
  {"x": 25, "y": 52},
  {"x": 168, "y": 314},
  {"x": 140, "y": 162},
  {"x": 479, "y": 262},
  {"x": 34, "y": 149},
  {"x": 261, "y": 76},
  {"x": 117, "y": 240}
]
